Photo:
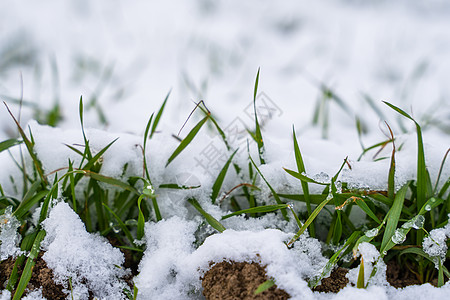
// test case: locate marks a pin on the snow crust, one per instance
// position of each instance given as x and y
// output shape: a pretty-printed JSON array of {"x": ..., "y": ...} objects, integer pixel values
[{"x": 87, "y": 259}]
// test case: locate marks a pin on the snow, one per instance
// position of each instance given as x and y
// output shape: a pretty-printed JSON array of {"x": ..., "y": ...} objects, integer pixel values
[
  {"x": 9, "y": 237},
  {"x": 371, "y": 258},
  {"x": 87, "y": 259},
  {"x": 388, "y": 50},
  {"x": 435, "y": 244},
  {"x": 172, "y": 267}
]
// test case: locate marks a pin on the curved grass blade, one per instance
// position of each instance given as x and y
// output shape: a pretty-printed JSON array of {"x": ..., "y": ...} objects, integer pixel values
[
  {"x": 141, "y": 220},
  {"x": 420, "y": 252},
  {"x": 185, "y": 142},
  {"x": 210, "y": 219},
  {"x": 258, "y": 209},
  {"x": 220, "y": 178},
  {"x": 422, "y": 174}
]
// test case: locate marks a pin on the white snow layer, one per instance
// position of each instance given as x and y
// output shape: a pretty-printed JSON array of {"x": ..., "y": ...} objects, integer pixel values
[
  {"x": 87, "y": 259},
  {"x": 172, "y": 267}
]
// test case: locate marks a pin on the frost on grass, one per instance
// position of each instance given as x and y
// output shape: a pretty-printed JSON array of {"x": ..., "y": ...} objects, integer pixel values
[
  {"x": 88, "y": 259},
  {"x": 9, "y": 237},
  {"x": 172, "y": 267}
]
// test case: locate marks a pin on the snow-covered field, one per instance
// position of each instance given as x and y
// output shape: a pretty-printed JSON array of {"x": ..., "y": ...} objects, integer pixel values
[{"x": 123, "y": 58}]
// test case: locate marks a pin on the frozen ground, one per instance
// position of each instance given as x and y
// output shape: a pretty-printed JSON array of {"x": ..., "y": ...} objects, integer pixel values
[{"x": 123, "y": 57}]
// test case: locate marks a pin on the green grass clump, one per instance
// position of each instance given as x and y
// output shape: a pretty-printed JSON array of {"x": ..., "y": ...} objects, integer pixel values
[{"x": 396, "y": 221}]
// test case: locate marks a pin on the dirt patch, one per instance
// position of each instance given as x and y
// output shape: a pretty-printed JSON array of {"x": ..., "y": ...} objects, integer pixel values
[
  {"x": 234, "y": 280},
  {"x": 42, "y": 276},
  {"x": 334, "y": 283}
]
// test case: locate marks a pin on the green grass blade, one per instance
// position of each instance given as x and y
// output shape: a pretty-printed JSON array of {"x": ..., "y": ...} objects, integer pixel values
[
  {"x": 394, "y": 215},
  {"x": 391, "y": 176},
  {"x": 440, "y": 171},
  {"x": 219, "y": 130},
  {"x": 297, "y": 220},
  {"x": 141, "y": 220},
  {"x": 315, "y": 199},
  {"x": 258, "y": 135},
  {"x": 258, "y": 209},
  {"x": 185, "y": 142},
  {"x": 220, "y": 178},
  {"x": 275, "y": 195},
  {"x": 122, "y": 225},
  {"x": 360, "y": 281},
  {"x": 147, "y": 128},
  {"x": 28, "y": 269},
  {"x": 72, "y": 186},
  {"x": 440, "y": 274},
  {"x": 303, "y": 178},
  {"x": 334, "y": 260},
  {"x": 159, "y": 114},
  {"x": 264, "y": 286},
  {"x": 175, "y": 186},
  {"x": 311, "y": 218},
  {"x": 421, "y": 181},
  {"x": 210, "y": 219},
  {"x": 301, "y": 169},
  {"x": 110, "y": 180},
  {"x": 8, "y": 144},
  {"x": 420, "y": 252},
  {"x": 360, "y": 202},
  {"x": 26, "y": 205},
  {"x": 30, "y": 147}
]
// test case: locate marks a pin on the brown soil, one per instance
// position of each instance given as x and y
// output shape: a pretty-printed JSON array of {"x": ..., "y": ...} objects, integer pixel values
[
  {"x": 42, "y": 276},
  {"x": 334, "y": 283},
  {"x": 238, "y": 281},
  {"x": 400, "y": 277}
]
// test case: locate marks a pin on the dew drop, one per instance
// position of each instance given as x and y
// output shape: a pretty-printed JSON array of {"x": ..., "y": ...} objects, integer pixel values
[
  {"x": 399, "y": 236},
  {"x": 372, "y": 232},
  {"x": 428, "y": 207},
  {"x": 418, "y": 222}
]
